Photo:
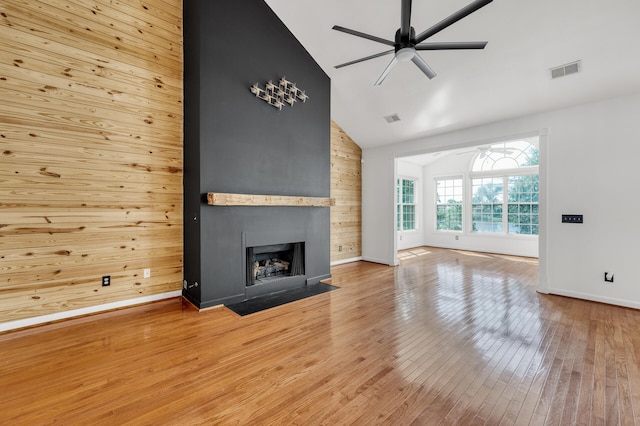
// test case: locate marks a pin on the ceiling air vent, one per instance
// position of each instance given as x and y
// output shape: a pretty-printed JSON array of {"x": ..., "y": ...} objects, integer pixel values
[
  {"x": 392, "y": 118},
  {"x": 566, "y": 69}
]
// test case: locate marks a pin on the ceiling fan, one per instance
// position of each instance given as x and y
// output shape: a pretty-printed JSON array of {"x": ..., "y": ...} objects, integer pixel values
[
  {"x": 407, "y": 44},
  {"x": 484, "y": 151}
]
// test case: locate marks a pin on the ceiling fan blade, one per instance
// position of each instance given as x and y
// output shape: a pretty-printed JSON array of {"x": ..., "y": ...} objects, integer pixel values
[
  {"x": 355, "y": 61},
  {"x": 386, "y": 71},
  {"x": 452, "y": 45},
  {"x": 363, "y": 35},
  {"x": 451, "y": 19},
  {"x": 505, "y": 151},
  {"x": 424, "y": 67},
  {"x": 405, "y": 19}
]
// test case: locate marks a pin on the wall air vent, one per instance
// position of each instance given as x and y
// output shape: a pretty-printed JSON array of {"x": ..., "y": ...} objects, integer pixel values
[
  {"x": 566, "y": 69},
  {"x": 392, "y": 118}
]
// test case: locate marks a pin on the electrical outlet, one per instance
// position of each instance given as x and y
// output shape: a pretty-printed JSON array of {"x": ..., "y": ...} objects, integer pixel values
[
  {"x": 339, "y": 248},
  {"x": 147, "y": 273},
  {"x": 608, "y": 278},
  {"x": 106, "y": 280}
]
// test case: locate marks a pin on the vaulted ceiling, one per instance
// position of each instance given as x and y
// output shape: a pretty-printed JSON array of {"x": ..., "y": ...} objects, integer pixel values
[{"x": 509, "y": 78}]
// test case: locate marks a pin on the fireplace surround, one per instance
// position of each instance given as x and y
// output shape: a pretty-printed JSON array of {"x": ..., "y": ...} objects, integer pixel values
[{"x": 235, "y": 148}]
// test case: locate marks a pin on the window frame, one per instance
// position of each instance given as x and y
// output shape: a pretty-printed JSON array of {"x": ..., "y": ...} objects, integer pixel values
[
  {"x": 400, "y": 203},
  {"x": 462, "y": 203},
  {"x": 503, "y": 174},
  {"x": 501, "y": 205}
]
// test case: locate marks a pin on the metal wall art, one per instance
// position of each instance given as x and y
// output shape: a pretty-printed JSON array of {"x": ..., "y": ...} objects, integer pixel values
[{"x": 278, "y": 96}]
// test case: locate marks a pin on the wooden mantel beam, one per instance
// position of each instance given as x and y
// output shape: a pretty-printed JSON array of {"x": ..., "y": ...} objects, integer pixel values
[{"x": 225, "y": 199}]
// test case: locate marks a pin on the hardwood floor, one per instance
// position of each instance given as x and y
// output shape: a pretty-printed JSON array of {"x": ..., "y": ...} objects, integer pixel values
[{"x": 448, "y": 337}]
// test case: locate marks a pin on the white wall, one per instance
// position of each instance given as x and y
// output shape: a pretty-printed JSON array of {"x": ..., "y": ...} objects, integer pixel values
[
  {"x": 589, "y": 166},
  {"x": 415, "y": 238},
  {"x": 458, "y": 166}
]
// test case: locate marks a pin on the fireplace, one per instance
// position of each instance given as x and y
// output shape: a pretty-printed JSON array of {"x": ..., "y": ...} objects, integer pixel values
[{"x": 273, "y": 261}]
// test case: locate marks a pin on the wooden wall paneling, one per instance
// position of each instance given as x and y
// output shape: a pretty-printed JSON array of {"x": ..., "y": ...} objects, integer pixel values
[
  {"x": 346, "y": 189},
  {"x": 59, "y": 62},
  {"x": 164, "y": 14},
  {"x": 69, "y": 28},
  {"x": 91, "y": 153}
]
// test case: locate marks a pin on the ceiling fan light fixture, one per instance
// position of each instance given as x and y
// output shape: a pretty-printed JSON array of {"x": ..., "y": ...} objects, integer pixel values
[{"x": 406, "y": 54}]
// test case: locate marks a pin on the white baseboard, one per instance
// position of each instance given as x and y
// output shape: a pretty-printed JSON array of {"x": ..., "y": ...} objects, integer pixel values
[
  {"x": 28, "y": 322},
  {"x": 375, "y": 260},
  {"x": 340, "y": 262},
  {"x": 595, "y": 298}
]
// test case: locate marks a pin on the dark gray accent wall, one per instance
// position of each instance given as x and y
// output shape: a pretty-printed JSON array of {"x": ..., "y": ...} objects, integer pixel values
[{"x": 237, "y": 143}]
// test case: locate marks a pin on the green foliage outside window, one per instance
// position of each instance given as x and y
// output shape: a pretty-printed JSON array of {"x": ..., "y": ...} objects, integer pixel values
[
  {"x": 449, "y": 195},
  {"x": 406, "y": 208}
]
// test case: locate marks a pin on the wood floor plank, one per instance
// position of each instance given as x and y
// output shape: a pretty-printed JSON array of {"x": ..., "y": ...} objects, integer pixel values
[{"x": 448, "y": 337}]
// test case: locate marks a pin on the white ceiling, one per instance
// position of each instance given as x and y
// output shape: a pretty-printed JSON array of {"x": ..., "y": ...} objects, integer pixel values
[{"x": 509, "y": 78}]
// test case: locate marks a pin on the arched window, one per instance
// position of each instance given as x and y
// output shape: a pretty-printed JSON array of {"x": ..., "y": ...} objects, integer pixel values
[
  {"x": 507, "y": 155},
  {"x": 504, "y": 188}
]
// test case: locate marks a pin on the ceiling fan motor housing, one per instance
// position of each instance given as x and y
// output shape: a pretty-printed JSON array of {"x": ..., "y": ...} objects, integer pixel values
[{"x": 408, "y": 41}]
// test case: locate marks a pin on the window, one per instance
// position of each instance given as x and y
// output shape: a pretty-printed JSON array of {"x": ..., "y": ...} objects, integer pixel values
[
  {"x": 504, "y": 189},
  {"x": 506, "y": 155},
  {"x": 449, "y": 195},
  {"x": 487, "y": 204},
  {"x": 406, "y": 204},
  {"x": 522, "y": 207}
]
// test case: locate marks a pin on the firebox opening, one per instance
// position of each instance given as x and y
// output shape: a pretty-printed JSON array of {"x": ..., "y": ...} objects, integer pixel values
[{"x": 273, "y": 262}]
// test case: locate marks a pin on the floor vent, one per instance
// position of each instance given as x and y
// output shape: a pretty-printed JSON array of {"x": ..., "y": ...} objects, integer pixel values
[
  {"x": 562, "y": 70},
  {"x": 392, "y": 118}
]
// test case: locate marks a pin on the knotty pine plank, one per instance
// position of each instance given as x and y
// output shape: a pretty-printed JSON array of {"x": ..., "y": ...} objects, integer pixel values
[
  {"x": 64, "y": 258},
  {"x": 64, "y": 81},
  {"x": 90, "y": 74},
  {"x": 101, "y": 217},
  {"x": 47, "y": 274},
  {"x": 122, "y": 18},
  {"x": 22, "y": 35},
  {"x": 79, "y": 62},
  {"x": 140, "y": 170},
  {"x": 49, "y": 116},
  {"x": 142, "y": 194},
  {"x": 165, "y": 14},
  {"x": 92, "y": 238},
  {"x": 346, "y": 187},
  {"x": 91, "y": 141},
  {"x": 75, "y": 183},
  {"x": 65, "y": 27},
  {"x": 142, "y": 102}
]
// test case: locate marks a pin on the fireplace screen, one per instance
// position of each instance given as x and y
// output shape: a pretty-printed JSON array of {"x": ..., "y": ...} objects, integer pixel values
[{"x": 270, "y": 262}]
